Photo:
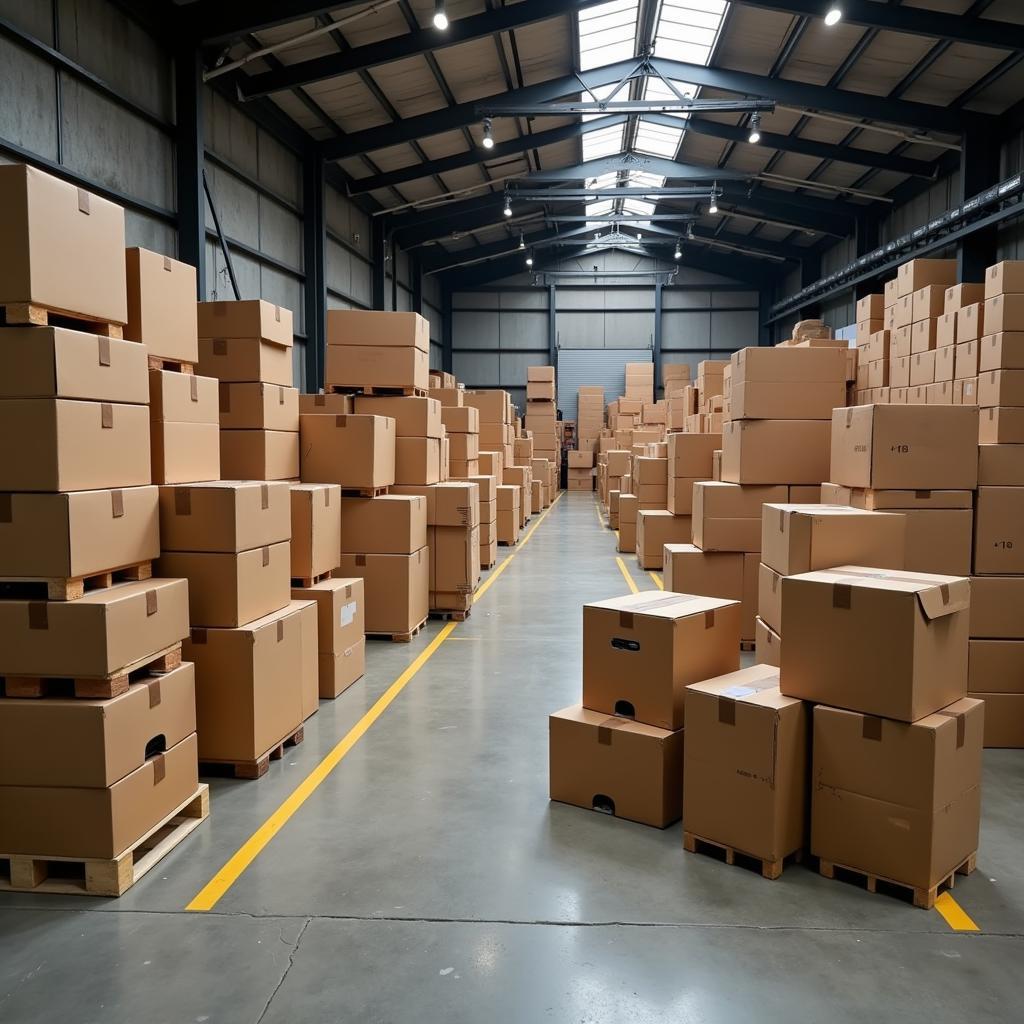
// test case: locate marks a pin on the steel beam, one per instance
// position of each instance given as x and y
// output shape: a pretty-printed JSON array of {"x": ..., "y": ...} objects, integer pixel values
[
  {"x": 633, "y": 107},
  {"x": 223, "y": 21},
  {"x": 314, "y": 247},
  {"x": 189, "y": 163},
  {"x": 641, "y": 162}
]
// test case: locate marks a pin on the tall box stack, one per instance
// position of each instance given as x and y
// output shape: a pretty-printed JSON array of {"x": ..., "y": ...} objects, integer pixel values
[
  {"x": 541, "y": 470},
  {"x": 962, "y": 328},
  {"x": 589, "y": 416},
  {"x": 247, "y": 346},
  {"x": 81, "y": 779},
  {"x": 541, "y": 413},
  {"x": 462, "y": 424},
  {"x": 419, "y": 433},
  {"x": 373, "y": 352},
  {"x": 640, "y": 382},
  {"x": 675, "y": 377},
  {"x": 628, "y": 512},
  {"x": 581, "y": 471},
  {"x": 507, "y": 499},
  {"x": 621, "y": 750},
  {"x": 521, "y": 477},
  {"x": 496, "y": 431},
  {"x": 709, "y": 397},
  {"x": 487, "y": 494},
  {"x": 922, "y": 284},
  {"x": 454, "y": 537}
]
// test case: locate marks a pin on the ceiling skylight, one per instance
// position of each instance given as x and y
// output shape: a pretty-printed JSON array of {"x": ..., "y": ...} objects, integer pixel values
[{"x": 608, "y": 33}]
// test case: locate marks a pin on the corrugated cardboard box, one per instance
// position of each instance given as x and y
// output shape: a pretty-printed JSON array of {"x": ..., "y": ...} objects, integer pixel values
[
  {"x": 184, "y": 428},
  {"x": 384, "y": 366},
  {"x": 995, "y": 607},
  {"x": 251, "y": 405},
  {"x": 534, "y": 373},
  {"x": 225, "y": 515},
  {"x": 616, "y": 766},
  {"x": 920, "y": 273},
  {"x": 316, "y": 529},
  {"x": 1000, "y": 425},
  {"x": 996, "y": 666},
  {"x": 77, "y": 533},
  {"x": 897, "y": 800},
  {"x": 1001, "y": 388},
  {"x": 745, "y": 764},
  {"x": 791, "y": 401},
  {"x": 1001, "y": 465},
  {"x": 641, "y": 651},
  {"x": 655, "y": 529},
  {"x": 1004, "y": 719},
  {"x": 353, "y": 451},
  {"x": 375, "y": 329},
  {"x": 768, "y": 644},
  {"x": 245, "y": 359},
  {"x": 727, "y": 516},
  {"x": 959, "y": 295},
  {"x": 775, "y": 451},
  {"x": 246, "y": 318},
  {"x": 1004, "y": 313},
  {"x": 1001, "y": 352},
  {"x": 333, "y": 404},
  {"x": 418, "y": 460},
  {"x": 414, "y": 417},
  {"x": 309, "y": 675},
  {"x": 680, "y": 495},
  {"x": 727, "y": 574},
  {"x": 162, "y": 308},
  {"x": 454, "y": 565},
  {"x": 999, "y": 531},
  {"x": 94, "y": 743},
  {"x": 341, "y": 645},
  {"x": 894, "y": 500},
  {"x": 463, "y": 419},
  {"x": 493, "y": 406},
  {"x": 390, "y": 524},
  {"x": 448, "y": 396},
  {"x": 892, "y": 644},
  {"x": 259, "y": 454},
  {"x": 929, "y": 302},
  {"x": 63, "y": 247},
  {"x": 55, "y": 362},
  {"x": 396, "y": 587}
]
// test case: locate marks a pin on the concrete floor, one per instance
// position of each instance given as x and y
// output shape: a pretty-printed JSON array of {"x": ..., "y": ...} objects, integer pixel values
[{"x": 429, "y": 879}]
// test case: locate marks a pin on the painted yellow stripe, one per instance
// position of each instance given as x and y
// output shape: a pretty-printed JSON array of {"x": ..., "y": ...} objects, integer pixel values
[
  {"x": 956, "y": 917},
  {"x": 208, "y": 897},
  {"x": 625, "y": 573},
  {"x": 657, "y": 581}
]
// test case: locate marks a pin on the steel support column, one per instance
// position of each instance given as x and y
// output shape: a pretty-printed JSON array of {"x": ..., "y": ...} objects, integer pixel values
[
  {"x": 191, "y": 196},
  {"x": 314, "y": 245},
  {"x": 446, "y": 328},
  {"x": 378, "y": 267},
  {"x": 657, "y": 337},
  {"x": 552, "y": 330},
  {"x": 979, "y": 169}
]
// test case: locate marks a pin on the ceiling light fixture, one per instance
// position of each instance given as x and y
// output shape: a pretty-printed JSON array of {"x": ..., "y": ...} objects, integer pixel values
[
  {"x": 440, "y": 16},
  {"x": 529, "y": 260},
  {"x": 755, "y": 129},
  {"x": 488, "y": 139},
  {"x": 713, "y": 207},
  {"x": 522, "y": 241},
  {"x": 678, "y": 254},
  {"x": 639, "y": 237},
  {"x": 834, "y": 15},
  {"x": 507, "y": 208}
]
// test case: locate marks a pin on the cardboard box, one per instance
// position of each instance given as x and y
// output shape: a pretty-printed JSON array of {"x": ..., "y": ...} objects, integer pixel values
[
  {"x": 309, "y": 675},
  {"x": 357, "y": 452},
  {"x": 894, "y": 500},
  {"x": 680, "y": 495},
  {"x": 259, "y": 454},
  {"x": 788, "y": 366},
  {"x": 1004, "y": 719},
  {"x": 246, "y": 318},
  {"x": 162, "y": 308},
  {"x": 966, "y": 361},
  {"x": 49, "y": 444},
  {"x": 248, "y": 685},
  {"x": 892, "y": 644},
  {"x": 337, "y": 672},
  {"x": 98, "y": 635},
  {"x": 389, "y": 524},
  {"x": 454, "y": 565},
  {"x": 316, "y": 529},
  {"x": 791, "y": 401},
  {"x": 894, "y": 446},
  {"x": 769, "y": 597},
  {"x": 256, "y": 406},
  {"x": 922, "y": 369},
  {"x": 333, "y": 404},
  {"x": 354, "y": 366},
  {"x": 959, "y": 295},
  {"x": 801, "y": 538},
  {"x": 616, "y": 766},
  {"x": 768, "y": 644},
  {"x": 655, "y": 529},
  {"x": 727, "y": 516},
  {"x": 900, "y": 801},
  {"x": 899, "y": 372},
  {"x": 903, "y": 312},
  {"x": 1001, "y": 388},
  {"x": 902, "y": 344},
  {"x": 461, "y": 419},
  {"x": 945, "y": 366},
  {"x": 77, "y": 533},
  {"x": 745, "y": 768},
  {"x": 929, "y": 302},
  {"x": 731, "y": 575},
  {"x": 870, "y": 307},
  {"x": 923, "y": 336},
  {"x": 462, "y": 470},
  {"x": 1001, "y": 352},
  {"x": 107, "y": 821},
  {"x": 642, "y": 650},
  {"x": 939, "y": 540},
  {"x": 413, "y": 416},
  {"x": 996, "y": 666},
  {"x": 184, "y": 453},
  {"x": 1001, "y": 426},
  {"x": 775, "y": 451},
  {"x": 537, "y": 373},
  {"x": 945, "y": 330},
  {"x": 54, "y": 362},
  {"x": 63, "y": 247},
  {"x": 1001, "y": 465},
  {"x": 464, "y": 447},
  {"x": 916, "y": 274},
  {"x": 877, "y": 377},
  {"x": 245, "y": 359},
  {"x": 375, "y": 329},
  {"x": 396, "y": 591},
  {"x": 970, "y": 323},
  {"x": 995, "y": 607},
  {"x": 999, "y": 531},
  {"x": 452, "y": 396},
  {"x": 341, "y": 646},
  {"x": 228, "y": 515},
  {"x": 1005, "y": 278},
  {"x": 540, "y": 391},
  {"x": 1004, "y": 313},
  {"x": 418, "y": 460}
]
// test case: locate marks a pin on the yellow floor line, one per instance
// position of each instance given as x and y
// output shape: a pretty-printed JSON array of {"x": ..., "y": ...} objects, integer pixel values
[
  {"x": 597, "y": 509},
  {"x": 657, "y": 581},
  {"x": 208, "y": 897},
  {"x": 956, "y": 917},
  {"x": 625, "y": 572}
]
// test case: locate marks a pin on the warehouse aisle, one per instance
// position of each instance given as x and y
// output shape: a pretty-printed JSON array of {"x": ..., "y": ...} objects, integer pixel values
[{"x": 428, "y": 878}]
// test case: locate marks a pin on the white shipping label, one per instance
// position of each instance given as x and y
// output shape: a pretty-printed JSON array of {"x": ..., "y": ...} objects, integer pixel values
[{"x": 347, "y": 613}]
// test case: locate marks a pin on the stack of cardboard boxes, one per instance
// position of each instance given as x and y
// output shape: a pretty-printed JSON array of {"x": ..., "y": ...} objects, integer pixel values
[
  {"x": 453, "y": 518},
  {"x": 496, "y": 431},
  {"x": 369, "y": 351},
  {"x": 82, "y": 778},
  {"x": 542, "y": 413},
  {"x": 462, "y": 424},
  {"x": 640, "y": 382},
  {"x": 589, "y": 417},
  {"x": 581, "y": 474},
  {"x": 508, "y": 510}
]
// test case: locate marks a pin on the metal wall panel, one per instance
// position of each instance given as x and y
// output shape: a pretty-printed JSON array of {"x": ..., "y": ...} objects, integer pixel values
[
  {"x": 476, "y": 369},
  {"x": 673, "y": 298},
  {"x": 604, "y": 367},
  {"x": 474, "y": 330},
  {"x": 732, "y": 329},
  {"x": 629, "y": 330},
  {"x": 523, "y": 329},
  {"x": 685, "y": 330},
  {"x": 579, "y": 330}
]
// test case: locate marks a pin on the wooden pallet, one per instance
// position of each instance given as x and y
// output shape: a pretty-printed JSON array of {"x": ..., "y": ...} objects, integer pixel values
[
  {"x": 28, "y": 314},
  {"x": 88, "y": 687},
  {"x": 450, "y": 614},
  {"x": 398, "y": 638},
  {"x": 485, "y": 566},
  {"x": 255, "y": 769},
  {"x": 748, "y": 646},
  {"x": 337, "y": 389},
  {"x": 71, "y": 588},
  {"x": 70, "y": 876},
  {"x": 305, "y": 582},
  {"x": 363, "y": 492},
  {"x": 923, "y": 898},
  {"x": 766, "y": 868},
  {"x": 508, "y": 543},
  {"x": 174, "y": 365}
]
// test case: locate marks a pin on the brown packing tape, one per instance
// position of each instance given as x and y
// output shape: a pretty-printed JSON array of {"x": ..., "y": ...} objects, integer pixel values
[
  {"x": 159, "y": 769},
  {"x": 220, "y": 346},
  {"x": 922, "y": 495},
  {"x": 155, "y": 696},
  {"x": 84, "y": 202},
  {"x": 348, "y": 591},
  {"x": 340, "y": 421},
  {"x": 327, "y": 497},
  {"x": 264, "y": 497},
  {"x": 197, "y": 635},
  {"x": 280, "y": 396},
  {"x": 117, "y": 504},
  {"x": 193, "y": 388},
  {"x": 842, "y": 594},
  {"x": 319, "y": 399},
  {"x": 266, "y": 557},
  {"x": 604, "y": 736},
  {"x": 6, "y": 508},
  {"x": 183, "y": 501},
  {"x": 152, "y": 602},
  {"x": 280, "y": 630},
  {"x": 871, "y": 728},
  {"x": 168, "y": 264},
  {"x": 106, "y": 416},
  {"x": 38, "y": 615},
  {"x": 726, "y": 711},
  {"x": 709, "y": 619},
  {"x": 944, "y": 593},
  {"x": 103, "y": 350},
  {"x": 361, "y": 560},
  {"x": 277, "y": 314},
  {"x": 225, "y": 397},
  {"x": 625, "y": 620},
  {"x": 849, "y": 418}
]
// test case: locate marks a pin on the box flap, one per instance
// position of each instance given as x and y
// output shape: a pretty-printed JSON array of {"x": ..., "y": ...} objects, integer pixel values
[{"x": 663, "y": 605}]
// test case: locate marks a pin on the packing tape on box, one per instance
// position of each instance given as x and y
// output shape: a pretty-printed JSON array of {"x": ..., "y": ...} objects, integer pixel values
[
  {"x": 961, "y": 724},
  {"x": 319, "y": 400},
  {"x": 220, "y": 346},
  {"x": 327, "y": 497},
  {"x": 341, "y": 420},
  {"x": 266, "y": 557},
  {"x": 152, "y": 603},
  {"x": 38, "y": 615},
  {"x": 726, "y": 711},
  {"x": 6, "y": 508},
  {"x": 153, "y": 685},
  {"x": 168, "y": 264},
  {"x": 103, "y": 350},
  {"x": 159, "y": 768},
  {"x": 842, "y": 594},
  {"x": 84, "y": 202},
  {"x": 922, "y": 495},
  {"x": 264, "y": 496},
  {"x": 117, "y": 504},
  {"x": 280, "y": 396},
  {"x": 277, "y": 313},
  {"x": 197, "y": 635},
  {"x": 871, "y": 728},
  {"x": 183, "y": 501},
  {"x": 348, "y": 591},
  {"x": 361, "y": 560},
  {"x": 106, "y": 416},
  {"x": 193, "y": 388},
  {"x": 280, "y": 630},
  {"x": 921, "y": 577}
]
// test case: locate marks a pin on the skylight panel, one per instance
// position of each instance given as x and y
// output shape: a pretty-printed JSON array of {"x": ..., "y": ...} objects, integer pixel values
[
  {"x": 603, "y": 142},
  {"x": 656, "y": 139},
  {"x": 607, "y": 33}
]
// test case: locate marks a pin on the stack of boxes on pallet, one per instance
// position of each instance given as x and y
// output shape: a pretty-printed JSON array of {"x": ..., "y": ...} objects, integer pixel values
[
  {"x": 542, "y": 413},
  {"x": 640, "y": 382},
  {"x": 675, "y": 381},
  {"x": 589, "y": 417},
  {"x": 107, "y": 758}
]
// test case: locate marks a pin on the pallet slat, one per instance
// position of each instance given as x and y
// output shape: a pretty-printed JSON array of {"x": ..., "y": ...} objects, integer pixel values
[
  {"x": 31, "y": 315},
  {"x": 398, "y": 638},
  {"x": 71, "y": 588},
  {"x": 771, "y": 869},
  {"x": 923, "y": 898},
  {"x": 258, "y": 767}
]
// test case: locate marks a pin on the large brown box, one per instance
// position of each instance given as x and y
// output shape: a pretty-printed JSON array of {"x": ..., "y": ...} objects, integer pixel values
[
  {"x": 309, "y": 669},
  {"x": 162, "y": 309},
  {"x": 996, "y": 666},
  {"x": 454, "y": 564},
  {"x": 642, "y": 650},
  {"x": 1001, "y": 465},
  {"x": 762, "y": 400},
  {"x": 1001, "y": 388},
  {"x": 316, "y": 529},
  {"x": 679, "y": 497},
  {"x": 745, "y": 764},
  {"x": 539, "y": 390},
  {"x": 355, "y": 366},
  {"x": 1001, "y": 425},
  {"x": 375, "y": 329},
  {"x": 999, "y": 531},
  {"x": 727, "y": 574},
  {"x": 1004, "y": 719},
  {"x": 690, "y": 455},
  {"x": 246, "y": 318},
  {"x": 655, "y": 529},
  {"x": 184, "y": 428},
  {"x": 801, "y": 538},
  {"x": 896, "y": 800},
  {"x": 56, "y": 444},
  {"x": 63, "y": 247},
  {"x": 995, "y": 607},
  {"x": 397, "y": 589},
  {"x": 94, "y": 743},
  {"x": 259, "y": 454},
  {"x": 354, "y": 451},
  {"x": 775, "y": 451},
  {"x": 341, "y": 646},
  {"x": 248, "y": 685},
  {"x": 246, "y": 359},
  {"x": 727, "y": 516},
  {"x": 55, "y": 362},
  {"x": 97, "y": 635},
  {"x": 418, "y": 460},
  {"x": 1004, "y": 313},
  {"x": 929, "y": 302},
  {"x": 413, "y": 416},
  {"x": 1001, "y": 351},
  {"x": 892, "y": 644},
  {"x": 253, "y": 405},
  {"x": 959, "y": 295},
  {"x": 77, "y": 533},
  {"x": 492, "y": 405},
  {"x": 461, "y": 419},
  {"x": 454, "y": 502},
  {"x": 920, "y": 273},
  {"x": 390, "y": 524},
  {"x": 337, "y": 672},
  {"x": 939, "y": 540},
  {"x": 464, "y": 447},
  {"x": 333, "y": 404},
  {"x": 98, "y": 823},
  {"x": 896, "y": 446},
  {"x": 224, "y": 515},
  {"x": 894, "y": 500},
  {"x": 616, "y": 766}
]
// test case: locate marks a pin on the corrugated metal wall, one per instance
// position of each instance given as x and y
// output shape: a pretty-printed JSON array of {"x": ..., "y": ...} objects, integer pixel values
[{"x": 604, "y": 367}]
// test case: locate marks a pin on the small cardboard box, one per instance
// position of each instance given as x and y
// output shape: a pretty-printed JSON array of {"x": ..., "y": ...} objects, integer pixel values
[
  {"x": 870, "y": 307},
  {"x": 1001, "y": 351},
  {"x": 454, "y": 564},
  {"x": 970, "y": 323},
  {"x": 965, "y": 364},
  {"x": 996, "y": 666},
  {"x": 492, "y": 405},
  {"x": 353, "y": 451},
  {"x": 259, "y": 454},
  {"x": 995, "y": 607},
  {"x": 162, "y": 308},
  {"x": 316, "y": 529},
  {"x": 1001, "y": 465},
  {"x": 56, "y": 444},
  {"x": 246, "y": 318},
  {"x": 655, "y": 529},
  {"x": 448, "y": 397},
  {"x": 184, "y": 428},
  {"x": 245, "y": 359},
  {"x": 923, "y": 336},
  {"x": 999, "y": 531},
  {"x": 897, "y": 446},
  {"x": 390, "y": 524},
  {"x": 775, "y": 451},
  {"x": 54, "y": 362},
  {"x": 1001, "y": 388},
  {"x": 224, "y": 515},
  {"x": 745, "y": 768},
  {"x": 413, "y": 416},
  {"x": 462, "y": 419},
  {"x": 77, "y": 533},
  {"x": 898, "y": 800},
  {"x": 929, "y": 302},
  {"x": 337, "y": 672},
  {"x": 731, "y": 575},
  {"x": 333, "y": 404},
  {"x": 959, "y": 295},
  {"x": 63, "y": 247},
  {"x": 1006, "y": 278},
  {"x": 616, "y": 766},
  {"x": 917, "y": 274},
  {"x": 418, "y": 460},
  {"x": 581, "y": 460},
  {"x": 251, "y": 405},
  {"x": 892, "y": 644},
  {"x": 540, "y": 373},
  {"x": 464, "y": 447},
  {"x": 727, "y": 516},
  {"x": 945, "y": 366},
  {"x": 396, "y": 588},
  {"x": 642, "y": 650},
  {"x": 375, "y": 329},
  {"x": 945, "y": 330},
  {"x": 1001, "y": 425},
  {"x": 800, "y": 538},
  {"x": 341, "y": 647},
  {"x": 540, "y": 391},
  {"x": 1004, "y": 313}
]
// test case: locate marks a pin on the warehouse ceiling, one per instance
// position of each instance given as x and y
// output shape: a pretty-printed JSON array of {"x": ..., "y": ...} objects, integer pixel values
[{"x": 866, "y": 111}]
